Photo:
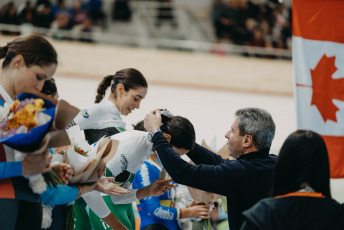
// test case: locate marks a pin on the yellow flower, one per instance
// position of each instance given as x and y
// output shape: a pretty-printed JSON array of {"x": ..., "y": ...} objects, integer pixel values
[
  {"x": 39, "y": 104},
  {"x": 26, "y": 116}
]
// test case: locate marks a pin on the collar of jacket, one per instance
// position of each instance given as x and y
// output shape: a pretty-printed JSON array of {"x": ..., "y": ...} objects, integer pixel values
[{"x": 254, "y": 155}]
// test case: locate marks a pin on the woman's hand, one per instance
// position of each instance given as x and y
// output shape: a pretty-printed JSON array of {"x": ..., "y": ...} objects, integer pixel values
[
  {"x": 104, "y": 185},
  {"x": 191, "y": 204},
  {"x": 200, "y": 211},
  {"x": 64, "y": 172},
  {"x": 34, "y": 164},
  {"x": 38, "y": 161},
  {"x": 197, "y": 211},
  {"x": 159, "y": 187},
  {"x": 152, "y": 120},
  {"x": 113, "y": 222},
  {"x": 85, "y": 188}
]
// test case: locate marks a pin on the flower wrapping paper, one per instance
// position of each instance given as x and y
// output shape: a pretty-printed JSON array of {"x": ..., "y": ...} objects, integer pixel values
[
  {"x": 86, "y": 167},
  {"x": 202, "y": 197}
]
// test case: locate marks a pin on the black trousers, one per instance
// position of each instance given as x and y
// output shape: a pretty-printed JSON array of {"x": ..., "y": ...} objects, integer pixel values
[
  {"x": 154, "y": 227},
  {"x": 18, "y": 214}
]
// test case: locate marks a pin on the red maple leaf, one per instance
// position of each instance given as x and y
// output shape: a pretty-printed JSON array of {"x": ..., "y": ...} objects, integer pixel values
[{"x": 325, "y": 88}]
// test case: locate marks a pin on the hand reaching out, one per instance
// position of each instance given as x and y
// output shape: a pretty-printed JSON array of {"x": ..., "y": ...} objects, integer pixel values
[
  {"x": 156, "y": 188},
  {"x": 159, "y": 187},
  {"x": 104, "y": 185}
]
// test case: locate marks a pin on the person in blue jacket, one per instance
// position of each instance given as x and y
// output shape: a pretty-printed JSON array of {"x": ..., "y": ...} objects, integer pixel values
[
  {"x": 243, "y": 181},
  {"x": 158, "y": 212}
]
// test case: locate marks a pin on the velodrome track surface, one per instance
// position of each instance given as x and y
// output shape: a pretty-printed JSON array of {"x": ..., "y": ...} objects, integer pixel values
[{"x": 205, "y": 88}]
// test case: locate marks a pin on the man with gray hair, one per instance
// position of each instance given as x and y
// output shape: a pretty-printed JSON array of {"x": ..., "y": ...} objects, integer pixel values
[{"x": 243, "y": 181}]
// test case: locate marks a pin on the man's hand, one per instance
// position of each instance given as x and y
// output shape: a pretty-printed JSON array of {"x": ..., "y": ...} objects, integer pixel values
[
  {"x": 34, "y": 164},
  {"x": 104, "y": 185},
  {"x": 64, "y": 172},
  {"x": 152, "y": 120}
]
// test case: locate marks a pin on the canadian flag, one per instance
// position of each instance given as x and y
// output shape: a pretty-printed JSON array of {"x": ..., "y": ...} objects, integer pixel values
[{"x": 318, "y": 61}]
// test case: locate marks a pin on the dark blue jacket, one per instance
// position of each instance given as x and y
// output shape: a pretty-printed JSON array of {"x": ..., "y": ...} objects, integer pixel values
[
  {"x": 244, "y": 181},
  {"x": 295, "y": 212}
]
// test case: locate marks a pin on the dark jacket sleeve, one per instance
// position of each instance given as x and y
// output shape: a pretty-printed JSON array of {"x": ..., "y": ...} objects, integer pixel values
[
  {"x": 247, "y": 225},
  {"x": 221, "y": 179},
  {"x": 201, "y": 155}
]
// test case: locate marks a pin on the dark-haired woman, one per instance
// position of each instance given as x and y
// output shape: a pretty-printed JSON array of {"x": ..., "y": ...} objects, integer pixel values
[
  {"x": 161, "y": 212},
  {"x": 134, "y": 147},
  {"x": 301, "y": 189},
  {"x": 29, "y": 61},
  {"x": 128, "y": 89}
]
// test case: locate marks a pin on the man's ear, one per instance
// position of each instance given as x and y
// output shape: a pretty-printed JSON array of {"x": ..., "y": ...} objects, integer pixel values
[
  {"x": 248, "y": 141},
  {"x": 167, "y": 137},
  {"x": 18, "y": 61}
]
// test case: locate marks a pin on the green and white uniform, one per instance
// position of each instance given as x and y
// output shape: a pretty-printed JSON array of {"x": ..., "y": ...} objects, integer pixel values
[
  {"x": 132, "y": 151},
  {"x": 97, "y": 121}
]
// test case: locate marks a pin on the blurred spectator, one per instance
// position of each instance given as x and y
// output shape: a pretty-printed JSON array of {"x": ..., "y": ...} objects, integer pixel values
[
  {"x": 62, "y": 15},
  {"x": 95, "y": 12},
  {"x": 26, "y": 14},
  {"x": 121, "y": 11},
  {"x": 78, "y": 14},
  {"x": 252, "y": 22},
  {"x": 80, "y": 22},
  {"x": 43, "y": 16},
  {"x": 258, "y": 39},
  {"x": 221, "y": 22},
  {"x": 8, "y": 15}
]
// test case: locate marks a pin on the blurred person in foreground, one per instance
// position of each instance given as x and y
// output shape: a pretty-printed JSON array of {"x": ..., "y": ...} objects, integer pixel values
[
  {"x": 243, "y": 181},
  {"x": 301, "y": 189}
]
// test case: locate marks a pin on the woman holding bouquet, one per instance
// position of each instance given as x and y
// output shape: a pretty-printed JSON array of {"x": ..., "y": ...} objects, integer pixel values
[
  {"x": 59, "y": 197},
  {"x": 128, "y": 89},
  {"x": 29, "y": 61}
]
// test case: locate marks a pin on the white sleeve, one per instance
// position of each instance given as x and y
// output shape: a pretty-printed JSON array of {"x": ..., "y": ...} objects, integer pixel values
[
  {"x": 88, "y": 118},
  {"x": 125, "y": 198},
  {"x": 125, "y": 154},
  {"x": 96, "y": 202}
]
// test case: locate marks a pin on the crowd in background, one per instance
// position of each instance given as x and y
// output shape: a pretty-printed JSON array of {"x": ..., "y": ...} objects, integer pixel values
[
  {"x": 56, "y": 15},
  {"x": 252, "y": 22}
]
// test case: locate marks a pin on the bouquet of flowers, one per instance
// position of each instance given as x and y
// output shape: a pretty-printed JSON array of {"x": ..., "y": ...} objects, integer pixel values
[
  {"x": 24, "y": 123},
  {"x": 86, "y": 160},
  {"x": 202, "y": 197}
]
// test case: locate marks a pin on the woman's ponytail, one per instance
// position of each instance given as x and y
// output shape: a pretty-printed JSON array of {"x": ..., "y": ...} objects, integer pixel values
[{"x": 106, "y": 82}]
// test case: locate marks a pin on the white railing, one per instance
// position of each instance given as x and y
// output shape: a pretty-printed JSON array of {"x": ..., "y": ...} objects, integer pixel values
[{"x": 143, "y": 27}]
